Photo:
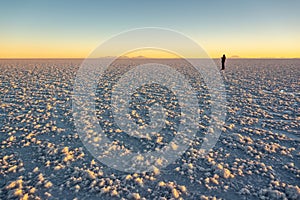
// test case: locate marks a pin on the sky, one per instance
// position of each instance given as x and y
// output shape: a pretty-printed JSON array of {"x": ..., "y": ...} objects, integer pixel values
[{"x": 74, "y": 28}]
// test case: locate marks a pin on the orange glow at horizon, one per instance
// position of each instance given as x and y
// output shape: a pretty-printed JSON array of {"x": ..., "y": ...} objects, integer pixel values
[
  {"x": 150, "y": 53},
  {"x": 82, "y": 50}
]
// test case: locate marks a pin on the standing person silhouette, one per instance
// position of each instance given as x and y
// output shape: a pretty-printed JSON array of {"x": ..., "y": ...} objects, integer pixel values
[{"x": 223, "y": 58}]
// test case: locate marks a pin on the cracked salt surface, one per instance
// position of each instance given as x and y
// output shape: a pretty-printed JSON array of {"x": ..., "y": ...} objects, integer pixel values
[{"x": 256, "y": 157}]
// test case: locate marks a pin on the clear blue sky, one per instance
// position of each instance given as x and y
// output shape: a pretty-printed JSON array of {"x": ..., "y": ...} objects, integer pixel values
[{"x": 241, "y": 27}]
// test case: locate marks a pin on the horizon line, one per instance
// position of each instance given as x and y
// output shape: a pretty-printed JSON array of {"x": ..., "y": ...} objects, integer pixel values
[{"x": 81, "y": 58}]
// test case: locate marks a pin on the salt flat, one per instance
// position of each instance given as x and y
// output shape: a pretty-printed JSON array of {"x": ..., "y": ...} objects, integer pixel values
[{"x": 256, "y": 157}]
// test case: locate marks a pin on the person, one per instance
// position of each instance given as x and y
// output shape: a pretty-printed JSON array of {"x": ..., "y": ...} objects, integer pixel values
[{"x": 223, "y": 58}]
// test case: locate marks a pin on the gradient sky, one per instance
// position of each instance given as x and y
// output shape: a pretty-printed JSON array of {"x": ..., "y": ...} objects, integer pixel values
[{"x": 73, "y": 28}]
